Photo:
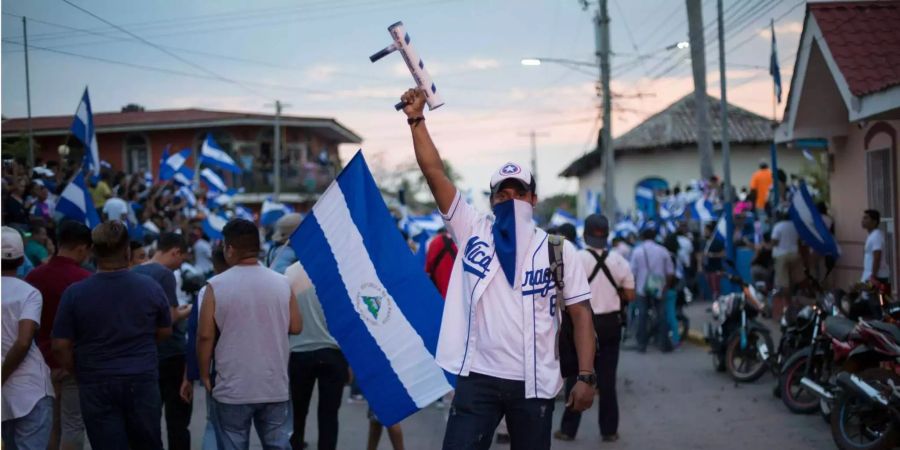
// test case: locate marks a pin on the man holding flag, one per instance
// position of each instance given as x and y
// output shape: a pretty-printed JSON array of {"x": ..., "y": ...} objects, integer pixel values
[{"x": 501, "y": 316}]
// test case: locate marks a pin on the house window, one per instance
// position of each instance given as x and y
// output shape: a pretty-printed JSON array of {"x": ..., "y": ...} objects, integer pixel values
[
  {"x": 882, "y": 187},
  {"x": 137, "y": 154}
]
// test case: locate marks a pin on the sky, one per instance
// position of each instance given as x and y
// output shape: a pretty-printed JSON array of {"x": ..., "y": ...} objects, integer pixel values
[{"x": 313, "y": 56}]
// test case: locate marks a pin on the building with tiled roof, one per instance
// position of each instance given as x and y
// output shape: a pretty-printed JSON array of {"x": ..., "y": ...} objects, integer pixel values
[
  {"x": 133, "y": 141},
  {"x": 661, "y": 152},
  {"x": 845, "y": 98}
]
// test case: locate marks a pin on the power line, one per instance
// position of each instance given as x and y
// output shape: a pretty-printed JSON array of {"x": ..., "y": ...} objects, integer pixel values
[{"x": 164, "y": 50}]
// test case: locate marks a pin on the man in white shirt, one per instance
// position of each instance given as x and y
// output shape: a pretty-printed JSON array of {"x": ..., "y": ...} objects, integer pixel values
[
  {"x": 27, "y": 389},
  {"x": 503, "y": 307},
  {"x": 786, "y": 251},
  {"x": 612, "y": 285},
  {"x": 875, "y": 265}
]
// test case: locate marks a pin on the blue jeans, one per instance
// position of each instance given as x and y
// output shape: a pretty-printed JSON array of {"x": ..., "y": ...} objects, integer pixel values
[
  {"x": 671, "y": 317},
  {"x": 273, "y": 422},
  {"x": 209, "y": 433},
  {"x": 122, "y": 412},
  {"x": 643, "y": 327},
  {"x": 479, "y": 404},
  {"x": 31, "y": 431}
]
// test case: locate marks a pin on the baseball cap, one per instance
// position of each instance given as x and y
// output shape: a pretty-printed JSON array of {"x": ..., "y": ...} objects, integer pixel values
[
  {"x": 595, "y": 225},
  {"x": 514, "y": 171},
  {"x": 285, "y": 226},
  {"x": 12, "y": 245}
]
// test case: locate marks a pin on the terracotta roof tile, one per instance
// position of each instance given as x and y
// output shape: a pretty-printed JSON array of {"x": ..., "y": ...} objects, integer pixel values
[{"x": 864, "y": 40}]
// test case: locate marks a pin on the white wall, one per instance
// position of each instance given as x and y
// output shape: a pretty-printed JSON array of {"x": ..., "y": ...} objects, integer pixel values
[{"x": 681, "y": 166}]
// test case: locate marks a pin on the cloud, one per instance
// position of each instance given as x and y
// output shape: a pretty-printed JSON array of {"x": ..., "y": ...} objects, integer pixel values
[
  {"x": 321, "y": 72},
  {"x": 481, "y": 64},
  {"x": 781, "y": 29}
]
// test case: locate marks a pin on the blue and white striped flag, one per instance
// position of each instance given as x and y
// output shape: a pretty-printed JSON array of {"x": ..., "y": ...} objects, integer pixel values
[
  {"x": 213, "y": 181},
  {"x": 380, "y": 305},
  {"x": 75, "y": 203},
  {"x": 172, "y": 164},
  {"x": 702, "y": 210},
  {"x": 809, "y": 223},
  {"x": 774, "y": 70},
  {"x": 213, "y": 225},
  {"x": 592, "y": 203},
  {"x": 223, "y": 199},
  {"x": 213, "y": 155},
  {"x": 184, "y": 176},
  {"x": 561, "y": 216},
  {"x": 271, "y": 211},
  {"x": 187, "y": 194},
  {"x": 83, "y": 130},
  {"x": 719, "y": 234},
  {"x": 244, "y": 213}
]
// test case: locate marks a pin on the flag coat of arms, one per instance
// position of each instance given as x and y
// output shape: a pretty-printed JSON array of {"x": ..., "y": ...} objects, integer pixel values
[{"x": 380, "y": 306}]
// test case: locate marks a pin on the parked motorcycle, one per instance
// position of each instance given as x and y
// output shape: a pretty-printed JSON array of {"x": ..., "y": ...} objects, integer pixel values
[
  {"x": 738, "y": 342},
  {"x": 867, "y": 408}
]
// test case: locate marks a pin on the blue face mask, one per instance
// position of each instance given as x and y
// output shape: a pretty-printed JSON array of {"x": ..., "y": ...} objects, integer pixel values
[{"x": 513, "y": 230}]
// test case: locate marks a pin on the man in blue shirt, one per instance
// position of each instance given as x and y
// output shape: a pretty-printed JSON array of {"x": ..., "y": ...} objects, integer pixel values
[{"x": 106, "y": 330}]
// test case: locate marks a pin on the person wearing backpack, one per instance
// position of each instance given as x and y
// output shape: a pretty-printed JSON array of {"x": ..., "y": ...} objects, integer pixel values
[
  {"x": 612, "y": 286},
  {"x": 439, "y": 260},
  {"x": 500, "y": 331},
  {"x": 653, "y": 273}
]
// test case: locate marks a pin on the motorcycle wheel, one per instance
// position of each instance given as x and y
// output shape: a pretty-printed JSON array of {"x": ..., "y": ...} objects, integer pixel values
[
  {"x": 857, "y": 424},
  {"x": 797, "y": 398},
  {"x": 745, "y": 365}
]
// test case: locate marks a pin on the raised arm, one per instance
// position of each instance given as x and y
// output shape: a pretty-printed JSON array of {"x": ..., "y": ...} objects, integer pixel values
[{"x": 426, "y": 153}]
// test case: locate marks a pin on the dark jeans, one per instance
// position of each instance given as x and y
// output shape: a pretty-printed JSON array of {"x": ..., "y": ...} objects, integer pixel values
[
  {"x": 178, "y": 412},
  {"x": 122, "y": 413},
  {"x": 644, "y": 325},
  {"x": 609, "y": 334},
  {"x": 329, "y": 368},
  {"x": 479, "y": 404}
]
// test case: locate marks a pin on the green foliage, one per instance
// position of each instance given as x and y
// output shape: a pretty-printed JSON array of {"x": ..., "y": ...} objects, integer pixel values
[
  {"x": 816, "y": 176},
  {"x": 545, "y": 207},
  {"x": 18, "y": 148}
]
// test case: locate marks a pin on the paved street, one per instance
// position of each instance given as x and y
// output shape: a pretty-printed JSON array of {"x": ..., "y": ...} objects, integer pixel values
[{"x": 667, "y": 401}]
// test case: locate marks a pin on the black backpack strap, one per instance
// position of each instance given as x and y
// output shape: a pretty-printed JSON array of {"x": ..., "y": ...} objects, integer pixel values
[{"x": 447, "y": 249}]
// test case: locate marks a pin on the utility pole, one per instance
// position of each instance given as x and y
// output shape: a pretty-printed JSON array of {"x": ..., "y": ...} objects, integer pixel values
[
  {"x": 277, "y": 150},
  {"x": 28, "y": 95},
  {"x": 601, "y": 27},
  {"x": 701, "y": 106},
  {"x": 534, "y": 135},
  {"x": 726, "y": 148}
]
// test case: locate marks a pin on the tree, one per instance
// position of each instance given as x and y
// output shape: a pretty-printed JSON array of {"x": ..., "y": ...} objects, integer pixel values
[
  {"x": 133, "y": 107},
  {"x": 546, "y": 207},
  {"x": 18, "y": 148}
]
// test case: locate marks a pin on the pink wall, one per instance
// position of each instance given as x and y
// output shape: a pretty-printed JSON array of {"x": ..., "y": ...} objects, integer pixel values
[{"x": 849, "y": 192}]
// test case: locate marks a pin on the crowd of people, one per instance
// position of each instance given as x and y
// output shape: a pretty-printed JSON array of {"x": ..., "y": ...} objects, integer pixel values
[{"x": 106, "y": 330}]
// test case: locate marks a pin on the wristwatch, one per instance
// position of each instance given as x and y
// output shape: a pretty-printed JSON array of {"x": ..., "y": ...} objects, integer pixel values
[{"x": 588, "y": 378}]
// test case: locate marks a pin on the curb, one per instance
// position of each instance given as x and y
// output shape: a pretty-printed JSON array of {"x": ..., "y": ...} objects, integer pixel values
[{"x": 696, "y": 337}]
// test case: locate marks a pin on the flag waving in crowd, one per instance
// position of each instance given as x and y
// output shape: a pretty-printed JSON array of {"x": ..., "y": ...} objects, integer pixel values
[
  {"x": 380, "y": 306},
  {"x": 83, "y": 130}
]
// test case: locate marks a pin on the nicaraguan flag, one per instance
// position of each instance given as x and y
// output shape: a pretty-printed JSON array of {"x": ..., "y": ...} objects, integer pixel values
[
  {"x": 561, "y": 216},
  {"x": 380, "y": 305},
  {"x": 809, "y": 223},
  {"x": 213, "y": 155},
  {"x": 172, "y": 164},
  {"x": 187, "y": 194},
  {"x": 592, "y": 203},
  {"x": 244, "y": 213},
  {"x": 213, "y": 225},
  {"x": 625, "y": 227},
  {"x": 774, "y": 70},
  {"x": 271, "y": 211},
  {"x": 702, "y": 210},
  {"x": 720, "y": 232},
  {"x": 224, "y": 199},
  {"x": 184, "y": 176},
  {"x": 75, "y": 203},
  {"x": 83, "y": 130},
  {"x": 213, "y": 181}
]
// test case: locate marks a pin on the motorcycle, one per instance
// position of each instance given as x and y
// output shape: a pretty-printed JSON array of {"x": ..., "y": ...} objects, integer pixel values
[
  {"x": 738, "y": 342},
  {"x": 867, "y": 408}
]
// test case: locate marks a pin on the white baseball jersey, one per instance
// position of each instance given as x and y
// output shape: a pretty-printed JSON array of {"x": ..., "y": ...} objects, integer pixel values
[{"x": 492, "y": 328}]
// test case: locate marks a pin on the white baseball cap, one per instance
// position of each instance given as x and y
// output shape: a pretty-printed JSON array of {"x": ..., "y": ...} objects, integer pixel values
[
  {"x": 13, "y": 247},
  {"x": 514, "y": 171}
]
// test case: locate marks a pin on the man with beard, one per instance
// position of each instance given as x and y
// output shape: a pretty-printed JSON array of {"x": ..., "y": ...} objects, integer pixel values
[{"x": 502, "y": 310}]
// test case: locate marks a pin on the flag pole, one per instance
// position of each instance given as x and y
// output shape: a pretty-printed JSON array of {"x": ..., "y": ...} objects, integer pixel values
[{"x": 772, "y": 148}]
